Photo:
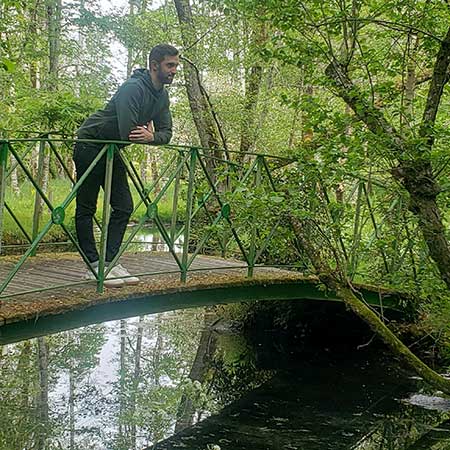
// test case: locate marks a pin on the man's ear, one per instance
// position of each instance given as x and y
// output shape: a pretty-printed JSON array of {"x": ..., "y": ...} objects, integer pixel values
[{"x": 154, "y": 65}]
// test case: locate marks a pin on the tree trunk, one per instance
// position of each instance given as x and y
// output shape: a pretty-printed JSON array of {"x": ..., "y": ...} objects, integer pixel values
[
  {"x": 153, "y": 160},
  {"x": 54, "y": 42},
  {"x": 14, "y": 177},
  {"x": 253, "y": 80},
  {"x": 203, "y": 117},
  {"x": 42, "y": 399},
  {"x": 416, "y": 174},
  {"x": 130, "y": 61}
]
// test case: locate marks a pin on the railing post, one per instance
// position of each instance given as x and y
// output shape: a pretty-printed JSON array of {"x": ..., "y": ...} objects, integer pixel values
[
  {"x": 252, "y": 252},
  {"x": 37, "y": 199},
  {"x": 3, "y": 164},
  {"x": 189, "y": 203},
  {"x": 105, "y": 216},
  {"x": 176, "y": 192}
]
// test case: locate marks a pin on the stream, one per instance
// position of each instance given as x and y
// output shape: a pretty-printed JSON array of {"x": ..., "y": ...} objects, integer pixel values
[{"x": 191, "y": 380}]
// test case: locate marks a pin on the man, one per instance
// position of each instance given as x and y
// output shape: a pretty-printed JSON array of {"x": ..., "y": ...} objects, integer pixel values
[{"x": 138, "y": 112}]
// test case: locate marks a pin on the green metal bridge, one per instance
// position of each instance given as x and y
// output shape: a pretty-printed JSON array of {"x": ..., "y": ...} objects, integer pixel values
[{"x": 214, "y": 204}]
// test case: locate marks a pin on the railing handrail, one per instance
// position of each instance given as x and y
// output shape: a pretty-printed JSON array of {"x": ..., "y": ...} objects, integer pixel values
[
  {"x": 222, "y": 194},
  {"x": 184, "y": 262}
]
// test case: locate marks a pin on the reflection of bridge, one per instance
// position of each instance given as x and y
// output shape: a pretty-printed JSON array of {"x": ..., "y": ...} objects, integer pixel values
[{"x": 223, "y": 207}]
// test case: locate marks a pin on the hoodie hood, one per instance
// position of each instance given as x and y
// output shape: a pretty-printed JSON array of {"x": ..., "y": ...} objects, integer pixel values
[{"x": 144, "y": 76}]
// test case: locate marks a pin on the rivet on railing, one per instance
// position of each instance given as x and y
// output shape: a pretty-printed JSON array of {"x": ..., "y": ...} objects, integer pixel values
[
  {"x": 152, "y": 211},
  {"x": 58, "y": 215}
]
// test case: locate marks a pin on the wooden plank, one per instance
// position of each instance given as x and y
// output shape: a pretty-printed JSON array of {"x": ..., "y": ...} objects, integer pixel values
[{"x": 66, "y": 269}]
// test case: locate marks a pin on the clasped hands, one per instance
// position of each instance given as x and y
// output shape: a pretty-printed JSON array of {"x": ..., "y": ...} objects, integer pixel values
[{"x": 143, "y": 134}]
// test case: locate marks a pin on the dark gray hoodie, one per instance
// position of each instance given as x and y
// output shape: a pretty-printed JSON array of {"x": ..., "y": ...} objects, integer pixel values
[{"x": 135, "y": 103}]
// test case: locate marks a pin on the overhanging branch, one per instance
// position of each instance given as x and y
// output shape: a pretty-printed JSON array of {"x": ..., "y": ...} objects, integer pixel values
[{"x": 364, "y": 111}]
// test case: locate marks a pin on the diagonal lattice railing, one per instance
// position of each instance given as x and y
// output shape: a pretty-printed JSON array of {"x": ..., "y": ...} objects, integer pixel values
[
  {"x": 197, "y": 189},
  {"x": 217, "y": 206}
]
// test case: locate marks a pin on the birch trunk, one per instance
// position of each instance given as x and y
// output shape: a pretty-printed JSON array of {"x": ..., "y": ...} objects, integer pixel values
[{"x": 14, "y": 177}]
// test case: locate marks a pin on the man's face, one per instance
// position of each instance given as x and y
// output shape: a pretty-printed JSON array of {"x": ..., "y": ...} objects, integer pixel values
[{"x": 167, "y": 68}]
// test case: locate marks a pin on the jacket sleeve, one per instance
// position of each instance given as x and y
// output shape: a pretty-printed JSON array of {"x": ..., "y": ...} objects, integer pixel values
[
  {"x": 128, "y": 103},
  {"x": 163, "y": 126}
]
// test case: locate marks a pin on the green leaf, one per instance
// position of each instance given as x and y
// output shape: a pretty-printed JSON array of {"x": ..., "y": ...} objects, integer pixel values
[{"x": 8, "y": 65}]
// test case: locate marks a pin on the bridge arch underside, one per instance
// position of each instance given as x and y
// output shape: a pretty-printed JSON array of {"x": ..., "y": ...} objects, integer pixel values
[{"x": 190, "y": 297}]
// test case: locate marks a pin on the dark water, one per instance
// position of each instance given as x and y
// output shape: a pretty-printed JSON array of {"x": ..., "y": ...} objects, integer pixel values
[{"x": 130, "y": 384}]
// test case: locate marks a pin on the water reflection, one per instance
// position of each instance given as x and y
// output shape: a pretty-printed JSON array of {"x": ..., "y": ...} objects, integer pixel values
[
  {"x": 150, "y": 239},
  {"x": 132, "y": 384},
  {"x": 111, "y": 386}
]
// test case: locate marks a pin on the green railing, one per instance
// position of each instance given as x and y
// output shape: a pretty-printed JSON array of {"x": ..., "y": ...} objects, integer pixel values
[
  {"x": 202, "y": 186},
  {"x": 219, "y": 207}
]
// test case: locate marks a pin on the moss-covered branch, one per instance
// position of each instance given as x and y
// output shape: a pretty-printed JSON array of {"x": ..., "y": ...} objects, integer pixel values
[{"x": 337, "y": 282}]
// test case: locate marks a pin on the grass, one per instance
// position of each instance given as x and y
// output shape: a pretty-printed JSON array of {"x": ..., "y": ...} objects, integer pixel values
[{"x": 22, "y": 205}]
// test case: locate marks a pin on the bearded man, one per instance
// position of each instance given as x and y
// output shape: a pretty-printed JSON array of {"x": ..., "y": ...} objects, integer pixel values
[{"x": 138, "y": 112}]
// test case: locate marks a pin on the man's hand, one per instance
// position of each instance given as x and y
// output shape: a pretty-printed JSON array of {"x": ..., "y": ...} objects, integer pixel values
[{"x": 141, "y": 134}]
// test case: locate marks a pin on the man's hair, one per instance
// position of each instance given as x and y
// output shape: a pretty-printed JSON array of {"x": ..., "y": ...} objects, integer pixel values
[{"x": 159, "y": 52}]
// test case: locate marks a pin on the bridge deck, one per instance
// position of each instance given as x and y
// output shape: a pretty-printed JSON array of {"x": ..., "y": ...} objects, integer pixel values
[{"x": 61, "y": 275}]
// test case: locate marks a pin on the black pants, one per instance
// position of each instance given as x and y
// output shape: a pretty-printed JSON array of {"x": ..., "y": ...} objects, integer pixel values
[{"x": 86, "y": 200}]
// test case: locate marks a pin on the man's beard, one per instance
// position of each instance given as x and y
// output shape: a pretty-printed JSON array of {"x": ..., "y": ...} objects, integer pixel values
[{"x": 165, "y": 79}]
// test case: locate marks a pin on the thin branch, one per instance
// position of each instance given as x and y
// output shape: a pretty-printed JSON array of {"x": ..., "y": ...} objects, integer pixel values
[
  {"x": 203, "y": 35},
  {"x": 368, "y": 114},
  {"x": 213, "y": 112},
  {"x": 396, "y": 26},
  {"x": 369, "y": 76}
]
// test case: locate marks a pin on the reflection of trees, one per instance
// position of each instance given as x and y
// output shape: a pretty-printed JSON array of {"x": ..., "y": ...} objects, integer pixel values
[
  {"x": 198, "y": 373},
  {"x": 55, "y": 394},
  {"x": 399, "y": 431},
  {"x": 42, "y": 394},
  {"x": 17, "y": 386},
  {"x": 236, "y": 371},
  {"x": 42, "y": 387},
  {"x": 156, "y": 355}
]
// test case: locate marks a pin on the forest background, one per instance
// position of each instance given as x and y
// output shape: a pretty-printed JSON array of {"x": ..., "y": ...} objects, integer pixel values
[{"x": 354, "y": 92}]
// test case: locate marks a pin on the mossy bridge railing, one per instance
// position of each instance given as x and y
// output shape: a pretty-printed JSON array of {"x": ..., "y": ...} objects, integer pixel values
[{"x": 226, "y": 203}]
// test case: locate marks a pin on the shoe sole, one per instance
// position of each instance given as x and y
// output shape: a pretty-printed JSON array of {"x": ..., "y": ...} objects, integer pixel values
[{"x": 130, "y": 282}]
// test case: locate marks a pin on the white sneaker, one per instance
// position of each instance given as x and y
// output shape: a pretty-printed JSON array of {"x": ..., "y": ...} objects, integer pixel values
[
  {"x": 118, "y": 271},
  {"x": 109, "y": 282}
]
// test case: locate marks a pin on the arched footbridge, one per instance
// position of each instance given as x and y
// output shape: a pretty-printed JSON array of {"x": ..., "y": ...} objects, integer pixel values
[
  {"x": 211, "y": 281},
  {"x": 211, "y": 204}
]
